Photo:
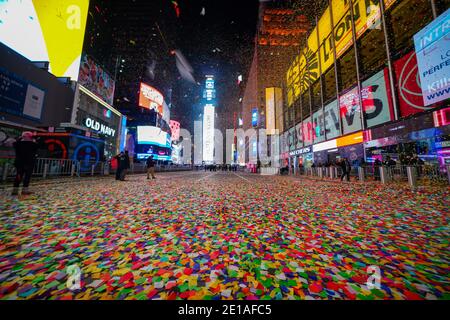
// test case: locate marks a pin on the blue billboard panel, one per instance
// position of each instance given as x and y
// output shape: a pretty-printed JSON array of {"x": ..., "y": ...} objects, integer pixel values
[
  {"x": 433, "y": 59},
  {"x": 255, "y": 117}
]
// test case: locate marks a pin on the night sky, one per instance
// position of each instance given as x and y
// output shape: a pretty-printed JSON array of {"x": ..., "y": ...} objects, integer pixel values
[{"x": 220, "y": 42}]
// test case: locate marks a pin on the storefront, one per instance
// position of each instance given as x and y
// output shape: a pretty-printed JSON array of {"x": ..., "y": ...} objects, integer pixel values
[
  {"x": 302, "y": 158},
  {"x": 71, "y": 143},
  {"x": 99, "y": 117},
  {"x": 427, "y": 135},
  {"x": 350, "y": 147}
]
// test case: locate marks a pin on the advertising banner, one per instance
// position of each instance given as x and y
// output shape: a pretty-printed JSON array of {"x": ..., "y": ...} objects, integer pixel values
[
  {"x": 279, "y": 110},
  {"x": 96, "y": 79},
  {"x": 433, "y": 56},
  {"x": 208, "y": 133},
  {"x": 350, "y": 111},
  {"x": 307, "y": 131},
  {"x": 299, "y": 136},
  {"x": 175, "y": 129},
  {"x": 332, "y": 122},
  {"x": 255, "y": 117},
  {"x": 20, "y": 98},
  {"x": 441, "y": 117},
  {"x": 270, "y": 110},
  {"x": 46, "y": 30},
  {"x": 304, "y": 69},
  {"x": 377, "y": 104},
  {"x": 408, "y": 85},
  {"x": 291, "y": 139},
  {"x": 150, "y": 98},
  {"x": 318, "y": 126}
]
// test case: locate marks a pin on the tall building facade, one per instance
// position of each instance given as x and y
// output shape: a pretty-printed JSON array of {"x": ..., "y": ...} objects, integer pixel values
[
  {"x": 279, "y": 34},
  {"x": 355, "y": 89}
]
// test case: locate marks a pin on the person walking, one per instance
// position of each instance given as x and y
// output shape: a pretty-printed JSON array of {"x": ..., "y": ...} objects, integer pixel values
[
  {"x": 26, "y": 149},
  {"x": 150, "y": 167}
]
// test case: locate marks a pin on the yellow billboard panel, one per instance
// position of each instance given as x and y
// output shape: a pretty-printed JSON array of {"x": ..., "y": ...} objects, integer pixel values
[
  {"x": 304, "y": 70},
  {"x": 312, "y": 40},
  {"x": 46, "y": 30},
  {"x": 324, "y": 25},
  {"x": 339, "y": 8}
]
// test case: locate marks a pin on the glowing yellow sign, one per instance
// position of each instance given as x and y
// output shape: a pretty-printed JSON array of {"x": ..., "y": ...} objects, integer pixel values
[
  {"x": 46, "y": 30},
  {"x": 304, "y": 70}
]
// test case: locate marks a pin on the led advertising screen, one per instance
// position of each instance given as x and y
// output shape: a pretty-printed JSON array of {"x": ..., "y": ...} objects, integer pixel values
[
  {"x": 153, "y": 135},
  {"x": 255, "y": 117},
  {"x": 332, "y": 122},
  {"x": 20, "y": 98},
  {"x": 433, "y": 59},
  {"x": 46, "y": 30},
  {"x": 376, "y": 102},
  {"x": 175, "y": 128},
  {"x": 96, "y": 79},
  {"x": 350, "y": 111},
  {"x": 150, "y": 98},
  {"x": 208, "y": 133}
]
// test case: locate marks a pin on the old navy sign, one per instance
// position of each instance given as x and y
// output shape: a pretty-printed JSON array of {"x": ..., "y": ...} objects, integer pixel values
[{"x": 100, "y": 127}]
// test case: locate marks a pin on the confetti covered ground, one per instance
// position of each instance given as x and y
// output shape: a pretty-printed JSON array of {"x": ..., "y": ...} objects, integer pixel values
[{"x": 196, "y": 235}]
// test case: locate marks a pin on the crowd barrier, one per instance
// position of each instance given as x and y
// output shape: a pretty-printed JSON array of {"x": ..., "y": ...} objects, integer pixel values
[
  {"x": 55, "y": 168},
  {"x": 412, "y": 174}
]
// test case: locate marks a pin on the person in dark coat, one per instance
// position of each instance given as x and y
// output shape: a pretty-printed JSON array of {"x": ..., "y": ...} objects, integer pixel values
[
  {"x": 346, "y": 167},
  {"x": 376, "y": 169},
  {"x": 121, "y": 165},
  {"x": 150, "y": 167},
  {"x": 26, "y": 149}
]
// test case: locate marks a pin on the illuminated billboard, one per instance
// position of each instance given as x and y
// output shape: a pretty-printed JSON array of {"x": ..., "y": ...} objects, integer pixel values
[
  {"x": 93, "y": 77},
  {"x": 304, "y": 69},
  {"x": 150, "y": 98},
  {"x": 46, "y": 30},
  {"x": 208, "y": 133},
  {"x": 154, "y": 136},
  {"x": 175, "y": 128},
  {"x": 255, "y": 117},
  {"x": 433, "y": 59},
  {"x": 209, "y": 93}
]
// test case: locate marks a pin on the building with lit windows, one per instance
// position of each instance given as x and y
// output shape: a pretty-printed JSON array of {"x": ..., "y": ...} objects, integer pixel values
[{"x": 355, "y": 90}]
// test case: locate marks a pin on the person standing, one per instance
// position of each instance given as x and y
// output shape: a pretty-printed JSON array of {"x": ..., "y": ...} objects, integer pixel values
[
  {"x": 376, "y": 169},
  {"x": 150, "y": 167},
  {"x": 126, "y": 166},
  {"x": 345, "y": 165},
  {"x": 26, "y": 149},
  {"x": 120, "y": 165}
]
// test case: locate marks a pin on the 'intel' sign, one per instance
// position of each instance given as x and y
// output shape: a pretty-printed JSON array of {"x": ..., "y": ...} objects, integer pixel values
[{"x": 433, "y": 59}]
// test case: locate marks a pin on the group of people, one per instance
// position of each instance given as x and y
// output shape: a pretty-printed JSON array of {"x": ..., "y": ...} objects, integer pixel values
[
  {"x": 222, "y": 167},
  {"x": 123, "y": 164}
]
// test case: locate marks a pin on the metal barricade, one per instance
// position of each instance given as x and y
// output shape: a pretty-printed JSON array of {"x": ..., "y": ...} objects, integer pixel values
[
  {"x": 412, "y": 177},
  {"x": 384, "y": 176},
  {"x": 361, "y": 175}
]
